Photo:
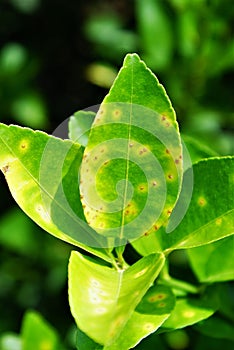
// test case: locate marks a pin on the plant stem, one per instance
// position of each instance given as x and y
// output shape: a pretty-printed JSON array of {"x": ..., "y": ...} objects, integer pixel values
[
  {"x": 178, "y": 284},
  {"x": 169, "y": 281}
]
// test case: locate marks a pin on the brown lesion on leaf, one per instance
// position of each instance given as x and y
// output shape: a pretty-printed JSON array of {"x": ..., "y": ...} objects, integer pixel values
[
  {"x": 24, "y": 145},
  {"x": 5, "y": 169},
  {"x": 202, "y": 201}
]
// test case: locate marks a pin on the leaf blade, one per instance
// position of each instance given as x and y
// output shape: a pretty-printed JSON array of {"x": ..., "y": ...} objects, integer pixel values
[
  {"x": 38, "y": 171},
  {"x": 127, "y": 155},
  {"x": 102, "y": 299}
]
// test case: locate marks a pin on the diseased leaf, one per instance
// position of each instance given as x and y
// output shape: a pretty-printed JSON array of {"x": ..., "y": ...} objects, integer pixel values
[
  {"x": 188, "y": 311},
  {"x": 132, "y": 166},
  {"x": 210, "y": 216},
  {"x": 103, "y": 299},
  {"x": 154, "y": 308},
  {"x": 79, "y": 126},
  {"x": 213, "y": 262},
  {"x": 42, "y": 174}
]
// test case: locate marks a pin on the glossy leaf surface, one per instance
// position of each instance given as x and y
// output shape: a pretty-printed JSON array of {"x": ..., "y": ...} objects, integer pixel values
[
  {"x": 131, "y": 170},
  {"x": 42, "y": 174},
  {"x": 79, "y": 126},
  {"x": 103, "y": 300},
  {"x": 210, "y": 215}
]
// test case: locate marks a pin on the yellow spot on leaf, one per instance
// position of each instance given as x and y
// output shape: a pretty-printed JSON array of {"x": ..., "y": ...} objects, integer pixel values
[
  {"x": 24, "y": 145},
  {"x": 218, "y": 221},
  {"x": 140, "y": 273},
  {"x": 189, "y": 314},
  {"x": 148, "y": 326},
  {"x": 201, "y": 201}
]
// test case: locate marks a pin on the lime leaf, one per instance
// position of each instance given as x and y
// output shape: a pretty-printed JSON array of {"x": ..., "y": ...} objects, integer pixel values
[
  {"x": 42, "y": 174},
  {"x": 188, "y": 311},
  {"x": 213, "y": 262},
  {"x": 103, "y": 299},
  {"x": 131, "y": 172},
  {"x": 210, "y": 215},
  {"x": 37, "y": 334},
  {"x": 197, "y": 150},
  {"x": 83, "y": 342},
  {"x": 79, "y": 126},
  {"x": 154, "y": 308},
  {"x": 216, "y": 327}
]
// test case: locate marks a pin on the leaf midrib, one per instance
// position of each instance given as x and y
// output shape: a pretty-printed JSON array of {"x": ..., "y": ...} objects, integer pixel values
[{"x": 128, "y": 156}]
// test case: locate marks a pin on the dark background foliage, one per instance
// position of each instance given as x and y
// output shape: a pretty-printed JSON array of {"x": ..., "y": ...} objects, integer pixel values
[{"x": 59, "y": 56}]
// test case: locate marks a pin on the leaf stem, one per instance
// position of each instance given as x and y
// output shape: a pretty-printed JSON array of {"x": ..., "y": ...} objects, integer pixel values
[{"x": 172, "y": 282}]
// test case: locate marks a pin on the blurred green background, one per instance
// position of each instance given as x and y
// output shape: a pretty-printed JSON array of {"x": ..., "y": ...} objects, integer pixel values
[{"x": 59, "y": 56}]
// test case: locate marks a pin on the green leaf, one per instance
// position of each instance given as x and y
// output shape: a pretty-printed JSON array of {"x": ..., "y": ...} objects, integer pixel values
[
  {"x": 134, "y": 155},
  {"x": 79, "y": 126},
  {"x": 29, "y": 109},
  {"x": 216, "y": 327},
  {"x": 154, "y": 308},
  {"x": 210, "y": 214},
  {"x": 16, "y": 233},
  {"x": 83, "y": 342},
  {"x": 103, "y": 299},
  {"x": 213, "y": 262},
  {"x": 42, "y": 173},
  {"x": 188, "y": 311},
  {"x": 197, "y": 150},
  {"x": 37, "y": 334},
  {"x": 155, "y": 32}
]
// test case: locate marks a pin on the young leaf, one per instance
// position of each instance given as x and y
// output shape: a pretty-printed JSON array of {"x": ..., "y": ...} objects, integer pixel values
[
  {"x": 37, "y": 334},
  {"x": 103, "y": 299},
  {"x": 42, "y": 174},
  {"x": 131, "y": 170},
  {"x": 79, "y": 126},
  {"x": 210, "y": 214},
  {"x": 213, "y": 262}
]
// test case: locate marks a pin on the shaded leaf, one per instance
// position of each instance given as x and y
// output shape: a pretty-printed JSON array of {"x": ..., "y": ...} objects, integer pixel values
[
  {"x": 216, "y": 327},
  {"x": 134, "y": 155},
  {"x": 83, "y": 342},
  {"x": 210, "y": 214},
  {"x": 102, "y": 299},
  {"x": 188, "y": 311},
  {"x": 42, "y": 174},
  {"x": 213, "y": 262}
]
